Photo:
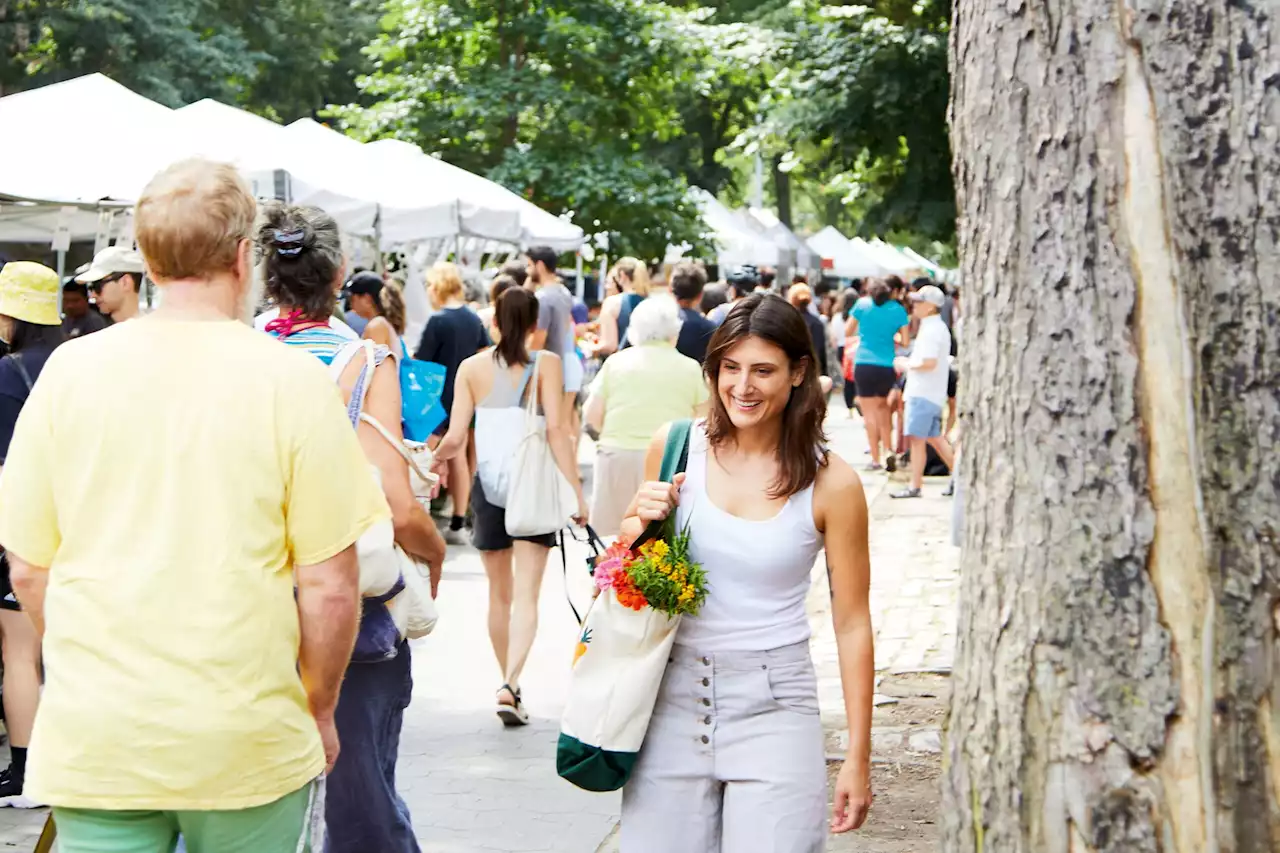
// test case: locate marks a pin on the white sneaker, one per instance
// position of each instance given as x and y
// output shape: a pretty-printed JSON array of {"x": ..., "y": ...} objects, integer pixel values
[{"x": 11, "y": 796}]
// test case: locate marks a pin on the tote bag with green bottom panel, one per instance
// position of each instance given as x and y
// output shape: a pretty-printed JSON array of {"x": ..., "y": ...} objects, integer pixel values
[{"x": 618, "y": 667}]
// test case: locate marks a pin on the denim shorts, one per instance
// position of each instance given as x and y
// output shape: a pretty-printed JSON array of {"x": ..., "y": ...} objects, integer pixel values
[{"x": 923, "y": 418}]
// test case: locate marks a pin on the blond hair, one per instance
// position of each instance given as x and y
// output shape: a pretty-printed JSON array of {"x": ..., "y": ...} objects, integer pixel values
[
  {"x": 800, "y": 295},
  {"x": 636, "y": 272},
  {"x": 444, "y": 283},
  {"x": 192, "y": 218}
]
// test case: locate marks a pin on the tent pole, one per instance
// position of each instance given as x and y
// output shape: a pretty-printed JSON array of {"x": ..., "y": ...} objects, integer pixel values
[
  {"x": 62, "y": 271},
  {"x": 582, "y": 284}
]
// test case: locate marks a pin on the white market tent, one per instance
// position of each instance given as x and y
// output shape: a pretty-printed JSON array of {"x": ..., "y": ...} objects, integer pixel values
[
  {"x": 51, "y": 178},
  {"x": 886, "y": 256},
  {"x": 534, "y": 225},
  {"x": 923, "y": 262},
  {"x": 772, "y": 227},
  {"x": 398, "y": 203},
  {"x": 847, "y": 259},
  {"x": 737, "y": 245}
]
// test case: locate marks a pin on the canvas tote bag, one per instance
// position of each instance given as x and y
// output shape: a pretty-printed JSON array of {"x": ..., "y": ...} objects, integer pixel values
[
  {"x": 394, "y": 604},
  {"x": 540, "y": 499},
  {"x": 618, "y": 667}
]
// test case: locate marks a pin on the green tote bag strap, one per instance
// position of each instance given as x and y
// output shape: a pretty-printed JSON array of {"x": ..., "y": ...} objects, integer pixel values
[{"x": 675, "y": 458}]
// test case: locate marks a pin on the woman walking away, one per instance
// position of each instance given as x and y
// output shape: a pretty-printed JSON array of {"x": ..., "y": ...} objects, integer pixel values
[
  {"x": 493, "y": 387},
  {"x": 381, "y": 305},
  {"x": 31, "y": 328},
  {"x": 876, "y": 320},
  {"x": 734, "y": 756},
  {"x": 452, "y": 335},
  {"x": 303, "y": 255},
  {"x": 631, "y": 277},
  {"x": 636, "y": 392}
]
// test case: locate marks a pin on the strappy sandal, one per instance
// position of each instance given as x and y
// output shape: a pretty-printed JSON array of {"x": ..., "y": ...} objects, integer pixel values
[{"x": 512, "y": 714}]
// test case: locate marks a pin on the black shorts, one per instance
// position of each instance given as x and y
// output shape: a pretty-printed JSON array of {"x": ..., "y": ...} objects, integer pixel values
[
  {"x": 489, "y": 525},
  {"x": 951, "y": 383},
  {"x": 8, "y": 601},
  {"x": 873, "y": 380}
]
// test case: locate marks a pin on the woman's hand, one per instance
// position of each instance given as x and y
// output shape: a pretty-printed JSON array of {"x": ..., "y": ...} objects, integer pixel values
[
  {"x": 656, "y": 500},
  {"x": 853, "y": 796},
  {"x": 584, "y": 512}
]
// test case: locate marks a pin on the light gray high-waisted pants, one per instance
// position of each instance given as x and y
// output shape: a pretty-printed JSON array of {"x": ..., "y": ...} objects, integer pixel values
[{"x": 733, "y": 761}]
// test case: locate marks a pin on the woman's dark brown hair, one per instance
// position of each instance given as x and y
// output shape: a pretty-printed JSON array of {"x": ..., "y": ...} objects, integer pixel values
[
  {"x": 879, "y": 291},
  {"x": 501, "y": 285},
  {"x": 515, "y": 314},
  {"x": 302, "y": 252},
  {"x": 803, "y": 446}
]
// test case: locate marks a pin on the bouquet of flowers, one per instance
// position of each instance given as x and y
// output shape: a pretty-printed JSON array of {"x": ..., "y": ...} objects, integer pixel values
[{"x": 660, "y": 575}]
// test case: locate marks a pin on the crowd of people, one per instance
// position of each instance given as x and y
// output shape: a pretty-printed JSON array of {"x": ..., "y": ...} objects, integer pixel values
[{"x": 280, "y": 483}]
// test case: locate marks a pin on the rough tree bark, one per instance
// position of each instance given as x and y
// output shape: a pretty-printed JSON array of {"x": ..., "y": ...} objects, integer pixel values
[{"x": 1117, "y": 168}]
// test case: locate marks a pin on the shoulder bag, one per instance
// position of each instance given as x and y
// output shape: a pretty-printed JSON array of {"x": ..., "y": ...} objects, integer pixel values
[{"x": 540, "y": 499}]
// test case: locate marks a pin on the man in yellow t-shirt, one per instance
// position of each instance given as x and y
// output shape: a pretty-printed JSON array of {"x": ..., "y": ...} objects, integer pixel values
[{"x": 188, "y": 689}]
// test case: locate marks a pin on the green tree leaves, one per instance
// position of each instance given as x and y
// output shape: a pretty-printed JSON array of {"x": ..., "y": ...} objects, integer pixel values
[
  {"x": 287, "y": 58},
  {"x": 563, "y": 101},
  {"x": 865, "y": 98}
]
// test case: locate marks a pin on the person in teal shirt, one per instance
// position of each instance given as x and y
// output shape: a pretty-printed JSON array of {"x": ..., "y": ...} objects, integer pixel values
[{"x": 876, "y": 319}]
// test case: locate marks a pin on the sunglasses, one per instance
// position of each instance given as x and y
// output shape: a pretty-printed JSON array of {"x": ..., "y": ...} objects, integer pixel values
[{"x": 96, "y": 287}]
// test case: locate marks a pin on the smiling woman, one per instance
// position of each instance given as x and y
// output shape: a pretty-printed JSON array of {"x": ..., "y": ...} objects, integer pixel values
[{"x": 760, "y": 498}]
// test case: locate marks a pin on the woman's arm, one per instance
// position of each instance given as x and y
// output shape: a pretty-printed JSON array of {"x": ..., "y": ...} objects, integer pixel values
[
  {"x": 464, "y": 408},
  {"x": 559, "y": 424},
  {"x": 656, "y": 499},
  {"x": 593, "y": 414},
  {"x": 609, "y": 326},
  {"x": 840, "y": 507},
  {"x": 851, "y": 326},
  {"x": 415, "y": 531}
]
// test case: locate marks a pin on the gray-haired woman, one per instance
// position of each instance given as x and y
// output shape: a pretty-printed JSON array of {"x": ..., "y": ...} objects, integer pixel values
[{"x": 637, "y": 391}]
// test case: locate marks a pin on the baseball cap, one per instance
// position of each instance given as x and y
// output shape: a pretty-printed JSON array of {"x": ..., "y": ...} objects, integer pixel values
[
  {"x": 368, "y": 283},
  {"x": 29, "y": 292},
  {"x": 112, "y": 260},
  {"x": 930, "y": 293}
]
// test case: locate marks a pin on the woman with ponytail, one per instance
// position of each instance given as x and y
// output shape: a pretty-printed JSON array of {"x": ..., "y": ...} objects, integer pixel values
[
  {"x": 380, "y": 303},
  {"x": 490, "y": 384}
]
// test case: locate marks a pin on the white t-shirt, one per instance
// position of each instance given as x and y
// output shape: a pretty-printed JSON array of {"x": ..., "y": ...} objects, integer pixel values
[
  {"x": 933, "y": 341},
  {"x": 260, "y": 323}
]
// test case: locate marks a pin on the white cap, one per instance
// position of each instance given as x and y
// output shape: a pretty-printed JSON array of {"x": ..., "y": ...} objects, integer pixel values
[
  {"x": 112, "y": 261},
  {"x": 930, "y": 293}
]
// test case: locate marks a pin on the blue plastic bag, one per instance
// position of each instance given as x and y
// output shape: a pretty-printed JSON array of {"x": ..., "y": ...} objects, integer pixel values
[{"x": 421, "y": 387}]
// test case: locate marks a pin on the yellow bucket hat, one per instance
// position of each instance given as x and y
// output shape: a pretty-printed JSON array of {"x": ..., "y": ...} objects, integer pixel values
[{"x": 29, "y": 291}]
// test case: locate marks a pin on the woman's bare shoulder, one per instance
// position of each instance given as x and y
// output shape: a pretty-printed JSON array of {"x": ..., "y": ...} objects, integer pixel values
[{"x": 837, "y": 483}]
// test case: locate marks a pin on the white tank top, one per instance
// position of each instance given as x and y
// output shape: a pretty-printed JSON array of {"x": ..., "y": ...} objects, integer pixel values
[{"x": 757, "y": 571}]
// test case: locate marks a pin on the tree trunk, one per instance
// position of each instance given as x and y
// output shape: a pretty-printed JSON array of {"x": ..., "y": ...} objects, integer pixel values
[
  {"x": 1115, "y": 686},
  {"x": 782, "y": 189}
]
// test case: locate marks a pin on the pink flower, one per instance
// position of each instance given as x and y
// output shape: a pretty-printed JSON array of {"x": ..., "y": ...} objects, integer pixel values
[{"x": 605, "y": 573}]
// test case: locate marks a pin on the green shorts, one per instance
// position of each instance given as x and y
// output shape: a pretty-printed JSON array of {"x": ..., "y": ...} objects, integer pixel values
[{"x": 279, "y": 827}]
